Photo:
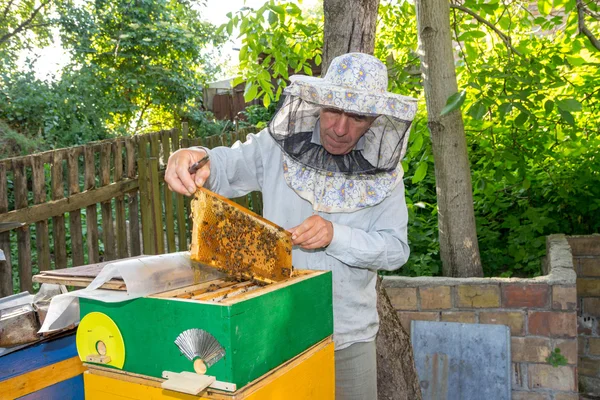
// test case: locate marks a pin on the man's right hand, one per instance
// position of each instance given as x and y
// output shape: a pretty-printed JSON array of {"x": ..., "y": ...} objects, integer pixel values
[{"x": 177, "y": 175}]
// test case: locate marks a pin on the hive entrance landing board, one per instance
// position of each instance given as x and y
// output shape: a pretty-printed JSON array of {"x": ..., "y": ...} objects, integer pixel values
[
  {"x": 232, "y": 238},
  {"x": 462, "y": 361}
]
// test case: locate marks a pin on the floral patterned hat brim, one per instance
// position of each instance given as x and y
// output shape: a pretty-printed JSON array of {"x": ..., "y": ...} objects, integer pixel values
[{"x": 322, "y": 92}]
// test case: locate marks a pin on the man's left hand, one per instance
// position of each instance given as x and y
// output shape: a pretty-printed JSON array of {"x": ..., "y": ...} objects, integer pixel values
[{"x": 314, "y": 233}]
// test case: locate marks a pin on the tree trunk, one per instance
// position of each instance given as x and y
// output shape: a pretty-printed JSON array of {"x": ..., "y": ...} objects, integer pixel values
[
  {"x": 350, "y": 27},
  {"x": 397, "y": 377},
  {"x": 459, "y": 248}
]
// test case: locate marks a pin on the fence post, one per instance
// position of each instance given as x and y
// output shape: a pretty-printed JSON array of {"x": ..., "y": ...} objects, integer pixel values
[
  {"x": 143, "y": 179},
  {"x": 179, "y": 203},
  {"x": 6, "y": 283},
  {"x": 155, "y": 202},
  {"x": 132, "y": 197},
  {"x": 23, "y": 233}
]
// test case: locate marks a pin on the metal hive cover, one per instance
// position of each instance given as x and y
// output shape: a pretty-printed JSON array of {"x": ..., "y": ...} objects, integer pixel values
[{"x": 457, "y": 361}]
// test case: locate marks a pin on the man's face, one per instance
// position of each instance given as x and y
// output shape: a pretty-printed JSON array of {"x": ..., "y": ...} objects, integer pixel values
[{"x": 341, "y": 131}]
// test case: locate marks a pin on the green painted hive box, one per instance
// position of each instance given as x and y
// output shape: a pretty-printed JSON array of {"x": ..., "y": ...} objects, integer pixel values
[{"x": 257, "y": 327}]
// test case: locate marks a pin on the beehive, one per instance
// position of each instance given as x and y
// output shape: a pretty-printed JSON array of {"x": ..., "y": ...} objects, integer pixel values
[
  {"x": 260, "y": 326},
  {"x": 310, "y": 375}
]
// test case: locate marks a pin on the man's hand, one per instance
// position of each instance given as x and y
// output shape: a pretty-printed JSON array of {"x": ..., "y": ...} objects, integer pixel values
[
  {"x": 177, "y": 175},
  {"x": 314, "y": 233}
]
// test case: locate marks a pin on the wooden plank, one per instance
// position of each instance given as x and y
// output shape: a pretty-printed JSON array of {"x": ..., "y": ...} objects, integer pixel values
[
  {"x": 194, "y": 290},
  {"x": 58, "y": 207},
  {"x": 132, "y": 199},
  {"x": 58, "y": 221},
  {"x": 221, "y": 292},
  {"x": 310, "y": 375},
  {"x": 87, "y": 271},
  {"x": 185, "y": 135},
  {"x": 71, "y": 389},
  {"x": 75, "y": 228},
  {"x": 23, "y": 234},
  {"x": 6, "y": 280},
  {"x": 168, "y": 195},
  {"x": 108, "y": 230},
  {"x": 36, "y": 380},
  {"x": 121, "y": 233},
  {"x": 37, "y": 356},
  {"x": 78, "y": 282},
  {"x": 143, "y": 179},
  {"x": 179, "y": 204},
  {"x": 47, "y": 156},
  {"x": 91, "y": 212},
  {"x": 41, "y": 227},
  {"x": 185, "y": 143},
  {"x": 156, "y": 202}
]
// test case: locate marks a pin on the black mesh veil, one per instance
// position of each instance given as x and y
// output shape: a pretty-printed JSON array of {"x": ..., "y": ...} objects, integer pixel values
[{"x": 384, "y": 143}]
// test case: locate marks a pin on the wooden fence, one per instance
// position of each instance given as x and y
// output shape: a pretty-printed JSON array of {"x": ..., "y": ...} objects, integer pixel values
[{"x": 97, "y": 202}]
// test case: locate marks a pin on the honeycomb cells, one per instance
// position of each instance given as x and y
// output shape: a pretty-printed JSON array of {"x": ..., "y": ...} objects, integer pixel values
[{"x": 231, "y": 238}]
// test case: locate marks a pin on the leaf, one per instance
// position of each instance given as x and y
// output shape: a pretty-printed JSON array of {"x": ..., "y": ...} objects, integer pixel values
[
  {"x": 481, "y": 184},
  {"x": 293, "y": 9},
  {"x": 575, "y": 60},
  {"x": 521, "y": 119},
  {"x": 567, "y": 116},
  {"x": 250, "y": 92},
  {"x": 544, "y": 6},
  {"x": 278, "y": 9},
  {"x": 489, "y": 8},
  {"x": 272, "y": 18},
  {"x": 236, "y": 81},
  {"x": 243, "y": 53},
  {"x": 548, "y": 106},
  {"x": 454, "y": 102},
  {"x": 477, "y": 110},
  {"x": 568, "y": 105},
  {"x": 264, "y": 75},
  {"x": 473, "y": 34},
  {"x": 417, "y": 144},
  {"x": 420, "y": 173},
  {"x": 266, "y": 100},
  {"x": 504, "y": 109},
  {"x": 318, "y": 59}
]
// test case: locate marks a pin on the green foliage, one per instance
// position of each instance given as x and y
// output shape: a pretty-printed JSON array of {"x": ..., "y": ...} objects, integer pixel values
[
  {"x": 146, "y": 57},
  {"x": 556, "y": 359},
  {"x": 12, "y": 142},
  {"x": 49, "y": 115},
  {"x": 530, "y": 109},
  {"x": 23, "y": 25},
  {"x": 134, "y": 67},
  {"x": 258, "y": 116},
  {"x": 277, "y": 40}
]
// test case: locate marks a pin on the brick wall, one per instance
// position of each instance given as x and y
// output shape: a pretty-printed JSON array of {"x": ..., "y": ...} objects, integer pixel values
[
  {"x": 586, "y": 260},
  {"x": 540, "y": 312}
]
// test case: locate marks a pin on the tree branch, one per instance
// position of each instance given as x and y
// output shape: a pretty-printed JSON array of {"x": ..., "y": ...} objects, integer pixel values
[
  {"x": 581, "y": 25},
  {"x": 23, "y": 24},
  {"x": 589, "y": 12},
  {"x": 144, "y": 108},
  {"x": 502, "y": 36},
  {"x": 6, "y": 9}
]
